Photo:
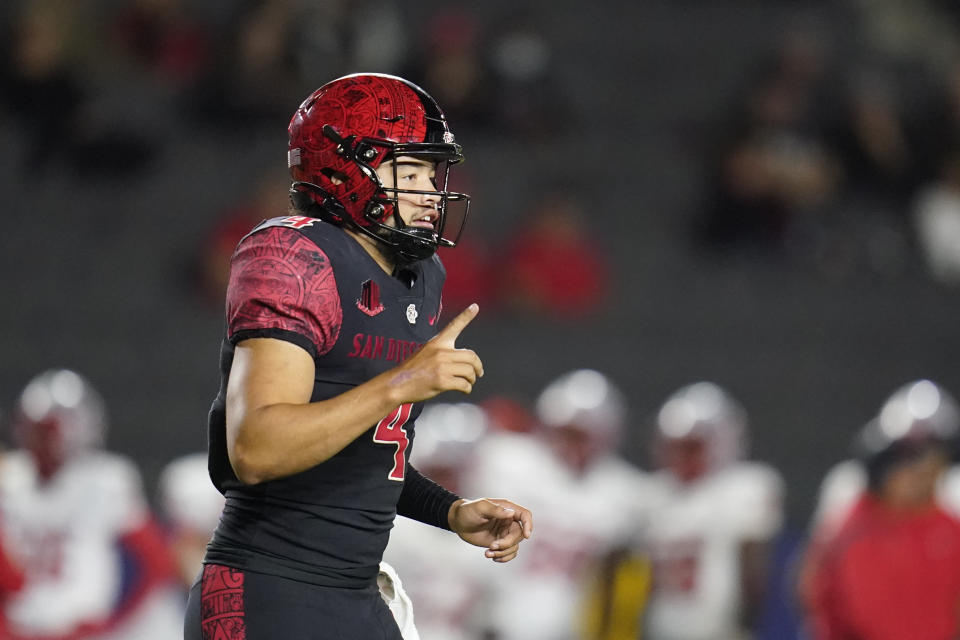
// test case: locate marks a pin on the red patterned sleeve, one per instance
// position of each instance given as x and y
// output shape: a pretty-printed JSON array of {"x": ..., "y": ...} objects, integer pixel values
[{"x": 282, "y": 286}]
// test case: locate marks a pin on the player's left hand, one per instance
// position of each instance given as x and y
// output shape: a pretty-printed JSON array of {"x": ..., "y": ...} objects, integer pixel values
[{"x": 498, "y": 525}]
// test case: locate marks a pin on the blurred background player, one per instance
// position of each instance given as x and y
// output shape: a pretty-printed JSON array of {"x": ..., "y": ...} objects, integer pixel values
[
  {"x": 712, "y": 519},
  {"x": 75, "y": 519},
  {"x": 190, "y": 506},
  {"x": 11, "y": 576},
  {"x": 887, "y": 564},
  {"x": 917, "y": 403},
  {"x": 587, "y": 500},
  {"x": 442, "y": 576}
]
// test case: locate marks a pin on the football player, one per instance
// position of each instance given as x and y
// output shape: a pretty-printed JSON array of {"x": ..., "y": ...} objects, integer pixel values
[
  {"x": 333, "y": 343},
  {"x": 712, "y": 518},
  {"x": 912, "y": 405},
  {"x": 588, "y": 501},
  {"x": 190, "y": 506},
  {"x": 887, "y": 563},
  {"x": 76, "y": 520}
]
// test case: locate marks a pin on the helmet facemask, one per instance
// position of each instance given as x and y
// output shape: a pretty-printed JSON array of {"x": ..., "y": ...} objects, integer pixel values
[{"x": 410, "y": 243}]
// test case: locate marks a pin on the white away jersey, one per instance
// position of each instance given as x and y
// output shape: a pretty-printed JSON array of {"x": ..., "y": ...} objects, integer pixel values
[
  {"x": 63, "y": 535},
  {"x": 694, "y": 538},
  {"x": 578, "y": 520},
  {"x": 441, "y": 576}
]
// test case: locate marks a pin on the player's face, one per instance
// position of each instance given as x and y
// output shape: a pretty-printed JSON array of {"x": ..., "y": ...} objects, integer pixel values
[
  {"x": 685, "y": 458},
  {"x": 44, "y": 441},
  {"x": 913, "y": 483},
  {"x": 574, "y": 446},
  {"x": 412, "y": 174}
]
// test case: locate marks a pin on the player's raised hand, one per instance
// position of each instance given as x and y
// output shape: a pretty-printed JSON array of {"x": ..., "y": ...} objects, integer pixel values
[
  {"x": 498, "y": 525},
  {"x": 449, "y": 334},
  {"x": 439, "y": 365}
]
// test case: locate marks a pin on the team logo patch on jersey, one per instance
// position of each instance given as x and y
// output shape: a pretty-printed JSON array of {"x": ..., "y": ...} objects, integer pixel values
[
  {"x": 298, "y": 222},
  {"x": 369, "y": 301},
  {"x": 412, "y": 314}
]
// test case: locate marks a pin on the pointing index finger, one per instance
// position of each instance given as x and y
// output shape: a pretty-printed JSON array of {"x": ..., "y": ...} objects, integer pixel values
[{"x": 459, "y": 323}]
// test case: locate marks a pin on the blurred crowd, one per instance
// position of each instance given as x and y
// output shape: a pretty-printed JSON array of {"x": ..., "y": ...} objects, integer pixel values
[
  {"x": 691, "y": 545},
  {"x": 840, "y": 150},
  {"x": 243, "y": 63},
  {"x": 97, "y": 88}
]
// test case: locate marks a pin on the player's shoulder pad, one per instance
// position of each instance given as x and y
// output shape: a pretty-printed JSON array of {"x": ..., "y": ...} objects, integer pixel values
[
  {"x": 619, "y": 469},
  {"x": 752, "y": 478},
  {"x": 846, "y": 472},
  {"x": 313, "y": 227},
  {"x": 754, "y": 492},
  {"x": 106, "y": 469},
  {"x": 187, "y": 495},
  {"x": 17, "y": 470}
]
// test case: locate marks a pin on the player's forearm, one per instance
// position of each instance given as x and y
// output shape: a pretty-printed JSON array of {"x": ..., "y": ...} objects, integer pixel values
[
  {"x": 282, "y": 439},
  {"x": 425, "y": 501}
]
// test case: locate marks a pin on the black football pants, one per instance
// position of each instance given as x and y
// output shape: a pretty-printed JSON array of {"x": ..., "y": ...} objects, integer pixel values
[{"x": 229, "y": 604}]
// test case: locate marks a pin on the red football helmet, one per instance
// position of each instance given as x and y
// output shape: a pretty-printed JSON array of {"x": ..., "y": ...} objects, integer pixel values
[
  {"x": 58, "y": 414},
  {"x": 700, "y": 429},
  {"x": 349, "y": 127}
]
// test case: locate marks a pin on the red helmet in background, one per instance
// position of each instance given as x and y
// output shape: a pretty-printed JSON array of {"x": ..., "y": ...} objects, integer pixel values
[
  {"x": 349, "y": 127},
  {"x": 58, "y": 415},
  {"x": 700, "y": 429}
]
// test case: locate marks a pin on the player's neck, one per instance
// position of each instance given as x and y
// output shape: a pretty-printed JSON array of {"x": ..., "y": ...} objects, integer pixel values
[{"x": 372, "y": 247}]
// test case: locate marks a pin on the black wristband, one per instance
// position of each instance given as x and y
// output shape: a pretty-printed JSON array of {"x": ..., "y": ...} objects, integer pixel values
[{"x": 424, "y": 500}]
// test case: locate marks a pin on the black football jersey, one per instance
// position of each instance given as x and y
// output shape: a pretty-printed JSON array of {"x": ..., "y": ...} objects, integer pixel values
[{"x": 305, "y": 281}]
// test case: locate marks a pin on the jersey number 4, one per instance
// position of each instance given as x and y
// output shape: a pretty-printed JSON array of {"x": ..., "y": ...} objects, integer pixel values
[{"x": 392, "y": 430}]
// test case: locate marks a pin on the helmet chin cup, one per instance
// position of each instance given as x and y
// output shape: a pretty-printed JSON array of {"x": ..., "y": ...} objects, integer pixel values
[
  {"x": 407, "y": 244},
  {"x": 412, "y": 247}
]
